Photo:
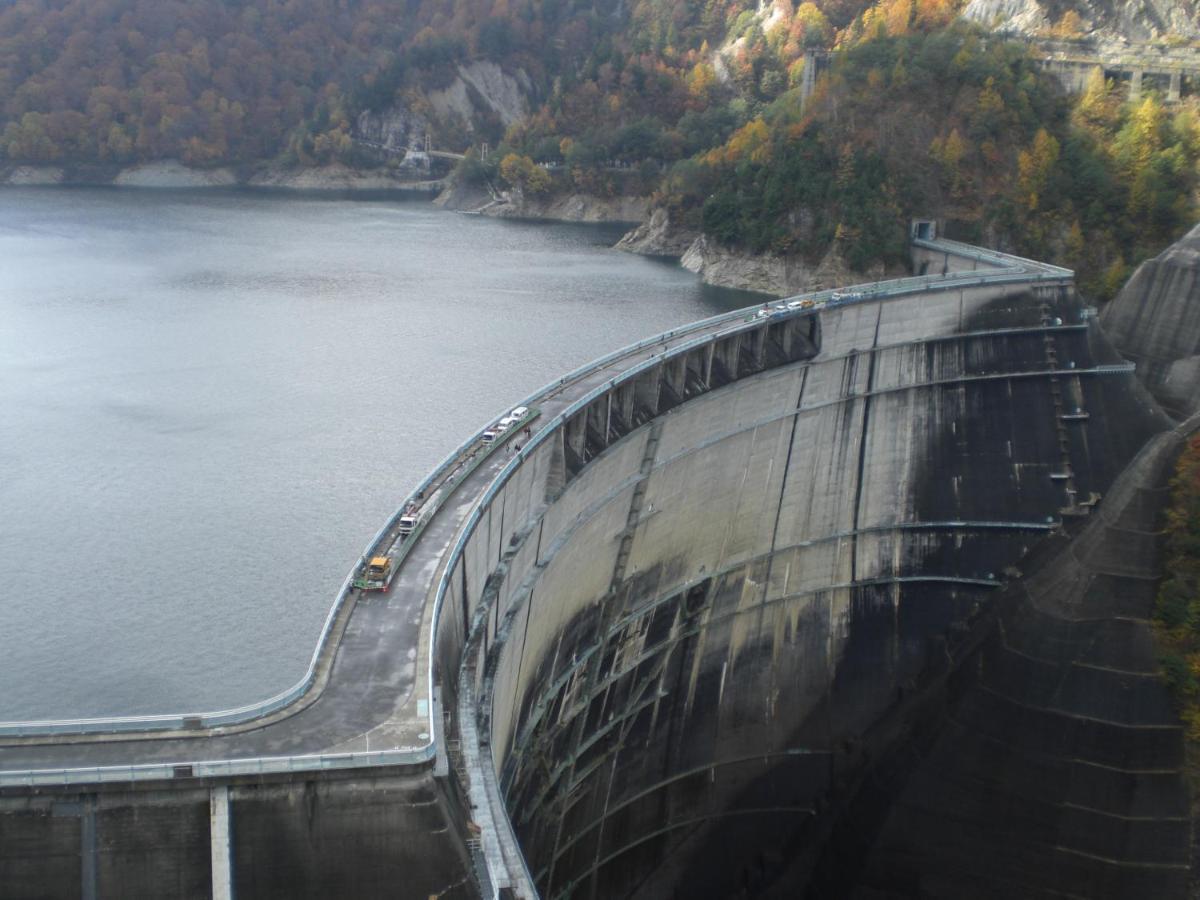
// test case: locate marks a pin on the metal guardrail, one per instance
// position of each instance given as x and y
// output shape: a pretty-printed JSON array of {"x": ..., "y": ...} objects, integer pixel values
[
  {"x": 1008, "y": 269},
  {"x": 258, "y": 709},
  {"x": 321, "y": 762}
]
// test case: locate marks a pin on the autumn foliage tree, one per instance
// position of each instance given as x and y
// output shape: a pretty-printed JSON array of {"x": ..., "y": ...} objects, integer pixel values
[{"x": 1177, "y": 614}]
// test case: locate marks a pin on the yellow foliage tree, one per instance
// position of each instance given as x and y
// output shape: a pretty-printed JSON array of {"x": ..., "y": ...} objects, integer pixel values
[
  {"x": 935, "y": 13},
  {"x": 896, "y": 16},
  {"x": 752, "y": 141},
  {"x": 949, "y": 152},
  {"x": 1034, "y": 167},
  {"x": 1097, "y": 108},
  {"x": 701, "y": 81},
  {"x": 522, "y": 172},
  {"x": 1069, "y": 26}
]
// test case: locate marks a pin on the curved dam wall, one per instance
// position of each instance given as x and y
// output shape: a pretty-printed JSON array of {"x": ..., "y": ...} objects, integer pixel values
[{"x": 690, "y": 614}]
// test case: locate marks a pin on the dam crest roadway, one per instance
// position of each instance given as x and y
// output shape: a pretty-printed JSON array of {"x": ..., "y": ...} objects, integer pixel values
[{"x": 635, "y": 619}]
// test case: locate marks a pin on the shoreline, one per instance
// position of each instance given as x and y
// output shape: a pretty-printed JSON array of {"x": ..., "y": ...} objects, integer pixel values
[
  {"x": 173, "y": 175},
  {"x": 409, "y": 193},
  {"x": 651, "y": 235}
]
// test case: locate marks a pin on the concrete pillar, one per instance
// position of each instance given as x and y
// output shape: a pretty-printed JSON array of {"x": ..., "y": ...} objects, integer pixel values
[
  {"x": 89, "y": 874},
  {"x": 785, "y": 338},
  {"x": 673, "y": 375},
  {"x": 596, "y": 417},
  {"x": 577, "y": 432},
  {"x": 623, "y": 407},
  {"x": 646, "y": 393},
  {"x": 1135, "y": 84},
  {"x": 727, "y": 354},
  {"x": 694, "y": 380},
  {"x": 1173, "y": 91},
  {"x": 219, "y": 839},
  {"x": 808, "y": 78}
]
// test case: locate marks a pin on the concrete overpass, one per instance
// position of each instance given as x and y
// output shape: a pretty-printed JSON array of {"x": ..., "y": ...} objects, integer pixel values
[
  {"x": 1172, "y": 71},
  {"x": 670, "y": 619}
]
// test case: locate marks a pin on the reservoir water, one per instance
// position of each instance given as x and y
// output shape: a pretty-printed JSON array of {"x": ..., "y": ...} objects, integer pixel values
[{"x": 210, "y": 401}]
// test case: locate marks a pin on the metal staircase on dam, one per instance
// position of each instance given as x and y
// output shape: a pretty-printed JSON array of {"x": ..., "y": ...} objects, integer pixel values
[
  {"x": 635, "y": 504},
  {"x": 1065, "y": 474}
]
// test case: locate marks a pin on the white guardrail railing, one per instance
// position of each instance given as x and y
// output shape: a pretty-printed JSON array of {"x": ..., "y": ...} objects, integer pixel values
[{"x": 1008, "y": 269}]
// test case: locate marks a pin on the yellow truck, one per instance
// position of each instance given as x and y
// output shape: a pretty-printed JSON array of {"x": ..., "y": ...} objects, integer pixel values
[{"x": 376, "y": 574}]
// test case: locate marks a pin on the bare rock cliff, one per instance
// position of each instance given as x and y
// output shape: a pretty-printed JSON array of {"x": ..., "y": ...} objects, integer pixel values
[
  {"x": 657, "y": 236},
  {"x": 515, "y": 204},
  {"x": 1155, "y": 321},
  {"x": 772, "y": 274},
  {"x": 480, "y": 92},
  {"x": 1119, "y": 22}
]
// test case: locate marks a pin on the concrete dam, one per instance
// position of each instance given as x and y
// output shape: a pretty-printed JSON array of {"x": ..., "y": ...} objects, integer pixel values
[{"x": 702, "y": 635}]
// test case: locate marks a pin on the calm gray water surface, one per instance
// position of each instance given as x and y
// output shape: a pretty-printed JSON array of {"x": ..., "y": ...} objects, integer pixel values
[{"x": 210, "y": 402}]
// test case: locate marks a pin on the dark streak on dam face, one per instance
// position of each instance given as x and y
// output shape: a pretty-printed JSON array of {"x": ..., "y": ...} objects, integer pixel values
[{"x": 706, "y": 621}]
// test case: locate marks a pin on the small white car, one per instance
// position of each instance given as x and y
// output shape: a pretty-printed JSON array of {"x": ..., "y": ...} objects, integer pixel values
[{"x": 519, "y": 413}]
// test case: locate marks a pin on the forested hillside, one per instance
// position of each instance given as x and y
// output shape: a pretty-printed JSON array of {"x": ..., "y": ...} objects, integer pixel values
[{"x": 697, "y": 105}]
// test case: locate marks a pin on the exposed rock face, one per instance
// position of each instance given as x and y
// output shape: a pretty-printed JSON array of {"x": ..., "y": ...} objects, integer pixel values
[
  {"x": 1155, "y": 321},
  {"x": 173, "y": 174},
  {"x": 337, "y": 177},
  {"x": 33, "y": 175},
  {"x": 396, "y": 128},
  {"x": 657, "y": 237},
  {"x": 481, "y": 91},
  {"x": 503, "y": 94},
  {"x": 771, "y": 274},
  {"x": 459, "y": 194},
  {"x": 1144, "y": 20},
  {"x": 564, "y": 207}
]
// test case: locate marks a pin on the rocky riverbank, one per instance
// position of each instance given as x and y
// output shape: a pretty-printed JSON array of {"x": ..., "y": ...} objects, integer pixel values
[
  {"x": 769, "y": 273},
  {"x": 726, "y": 267},
  {"x": 574, "y": 207},
  {"x": 174, "y": 174},
  {"x": 656, "y": 235}
]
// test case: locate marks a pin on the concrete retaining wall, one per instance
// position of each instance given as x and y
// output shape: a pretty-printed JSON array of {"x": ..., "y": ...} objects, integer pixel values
[{"x": 378, "y": 835}]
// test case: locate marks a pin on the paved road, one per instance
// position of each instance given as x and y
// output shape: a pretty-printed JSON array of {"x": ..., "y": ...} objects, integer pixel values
[{"x": 368, "y": 702}]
